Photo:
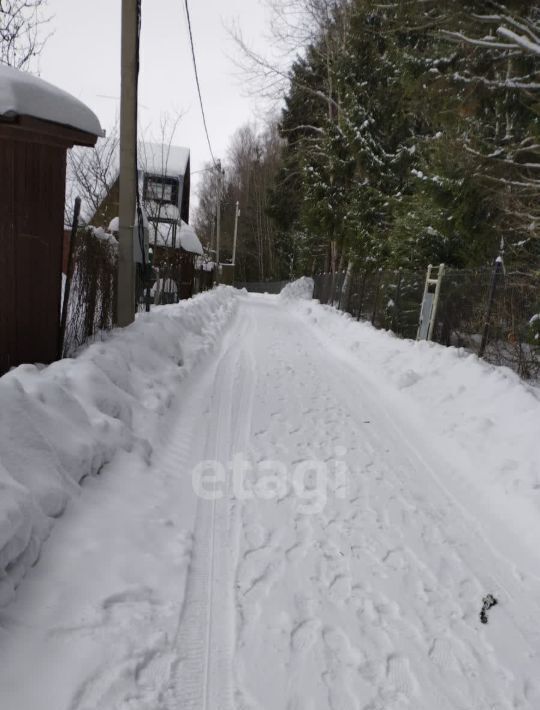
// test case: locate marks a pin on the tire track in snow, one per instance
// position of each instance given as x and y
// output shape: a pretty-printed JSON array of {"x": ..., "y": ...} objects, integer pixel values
[
  {"x": 202, "y": 679},
  {"x": 139, "y": 673}
]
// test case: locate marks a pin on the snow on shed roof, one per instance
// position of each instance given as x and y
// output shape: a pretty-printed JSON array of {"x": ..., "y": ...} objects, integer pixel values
[
  {"x": 189, "y": 239},
  {"x": 22, "y": 94},
  {"x": 186, "y": 238},
  {"x": 162, "y": 159}
]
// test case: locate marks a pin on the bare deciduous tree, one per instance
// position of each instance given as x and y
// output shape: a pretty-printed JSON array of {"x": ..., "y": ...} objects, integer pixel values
[
  {"x": 294, "y": 26},
  {"x": 91, "y": 174},
  {"x": 253, "y": 159},
  {"x": 21, "y": 25},
  {"x": 205, "y": 215}
]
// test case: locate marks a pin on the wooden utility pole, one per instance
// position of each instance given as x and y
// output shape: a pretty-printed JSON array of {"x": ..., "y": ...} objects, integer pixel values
[
  {"x": 218, "y": 219},
  {"x": 128, "y": 164},
  {"x": 237, "y": 214}
]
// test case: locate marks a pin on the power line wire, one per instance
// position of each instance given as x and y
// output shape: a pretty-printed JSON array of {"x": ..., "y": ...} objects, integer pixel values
[{"x": 197, "y": 81}]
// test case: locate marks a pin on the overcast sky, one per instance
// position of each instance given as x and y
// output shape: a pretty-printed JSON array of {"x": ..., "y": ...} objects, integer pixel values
[{"x": 83, "y": 57}]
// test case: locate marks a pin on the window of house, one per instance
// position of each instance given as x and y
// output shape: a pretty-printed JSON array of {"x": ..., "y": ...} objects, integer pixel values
[{"x": 161, "y": 189}]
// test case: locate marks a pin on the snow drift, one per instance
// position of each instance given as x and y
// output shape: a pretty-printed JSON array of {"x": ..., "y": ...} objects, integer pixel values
[
  {"x": 480, "y": 421},
  {"x": 301, "y": 289},
  {"x": 63, "y": 422}
]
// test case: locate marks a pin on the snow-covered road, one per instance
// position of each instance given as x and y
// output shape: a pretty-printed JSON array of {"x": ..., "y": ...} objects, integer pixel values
[{"x": 335, "y": 570}]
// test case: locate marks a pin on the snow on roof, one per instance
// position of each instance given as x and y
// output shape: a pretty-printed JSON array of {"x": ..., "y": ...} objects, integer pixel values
[
  {"x": 189, "y": 239},
  {"x": 22, "y": 94},
  {"x": 186, "y": 238},
  {"x": 114, "y": 224},
  {"x": 162, "y": 159},
  {"x": 100, "y": 233},
  {"x": 161, "y": 234}
]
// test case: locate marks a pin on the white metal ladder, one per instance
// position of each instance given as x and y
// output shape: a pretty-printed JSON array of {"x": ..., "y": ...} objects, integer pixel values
[{"x": 430, "y": 302}]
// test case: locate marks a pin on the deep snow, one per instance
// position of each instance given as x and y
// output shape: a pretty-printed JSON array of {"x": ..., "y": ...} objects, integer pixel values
[
  {"x": 481, "y": 421},
  {"x": 357, "y": 585},
  {"x": 64, "y": 422},
  {"x": 301, "y": 289}
]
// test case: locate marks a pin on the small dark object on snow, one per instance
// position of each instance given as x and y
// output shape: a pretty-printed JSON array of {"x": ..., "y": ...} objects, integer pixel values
[{"x": 489, "y": 601}]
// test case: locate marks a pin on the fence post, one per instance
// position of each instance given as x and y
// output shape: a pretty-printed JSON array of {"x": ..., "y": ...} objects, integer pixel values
[
  {"x": 362, "y": 292},
  {"x": 149, "y": 277},
  {"x": 347, "y": 307},
  {"x": 489, "y": 307},
  {"x": 342, "y": 287},
  {"x": 69, "y": 275},
  {"x": 91, "y": 295},
  {"x": 328, "y": 289},
  {"x": 376, "y": 299},
  {"x": 397, "y": 303}
]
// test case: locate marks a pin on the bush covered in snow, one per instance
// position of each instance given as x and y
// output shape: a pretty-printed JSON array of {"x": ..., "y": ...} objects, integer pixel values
[
  {"x": 301, "y": 289},
  {"x": 61, "y": 423}
]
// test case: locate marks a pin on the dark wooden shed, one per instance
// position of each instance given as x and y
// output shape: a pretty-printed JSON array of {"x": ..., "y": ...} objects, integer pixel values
[{"x": 38, "y": 123}]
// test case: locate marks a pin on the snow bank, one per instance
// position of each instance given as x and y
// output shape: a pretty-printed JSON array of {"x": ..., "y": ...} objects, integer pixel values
[
  {"x": 63, "y": 422},
  {"x": 301, "y": 289},
  {"x": 481, "y": 421}
]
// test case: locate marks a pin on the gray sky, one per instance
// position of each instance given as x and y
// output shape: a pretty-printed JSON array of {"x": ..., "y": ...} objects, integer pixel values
[{"x": 83, "y": 57}]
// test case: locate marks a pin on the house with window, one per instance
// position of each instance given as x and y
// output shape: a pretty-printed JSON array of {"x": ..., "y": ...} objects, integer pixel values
[{"x": 170, "y": 243}]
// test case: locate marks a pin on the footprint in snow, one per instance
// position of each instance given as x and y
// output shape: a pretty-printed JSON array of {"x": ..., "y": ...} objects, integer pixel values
[{"x": 488, "y": 602}]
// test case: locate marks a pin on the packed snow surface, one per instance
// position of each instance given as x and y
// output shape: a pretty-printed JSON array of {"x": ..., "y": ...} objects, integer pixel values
[
  {"x": 372, "y": 493},
  {"x": 22, "y": 94}
]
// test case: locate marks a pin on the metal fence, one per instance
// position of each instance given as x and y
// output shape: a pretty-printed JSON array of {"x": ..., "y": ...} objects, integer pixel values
[
  {"x": 90, "y": 288},
  {"x": 493, "y": 313},
  {"x": 203, "y": 280},
  {"x": 91, "y": 285},
  {"x": 272, "y": 287}
]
